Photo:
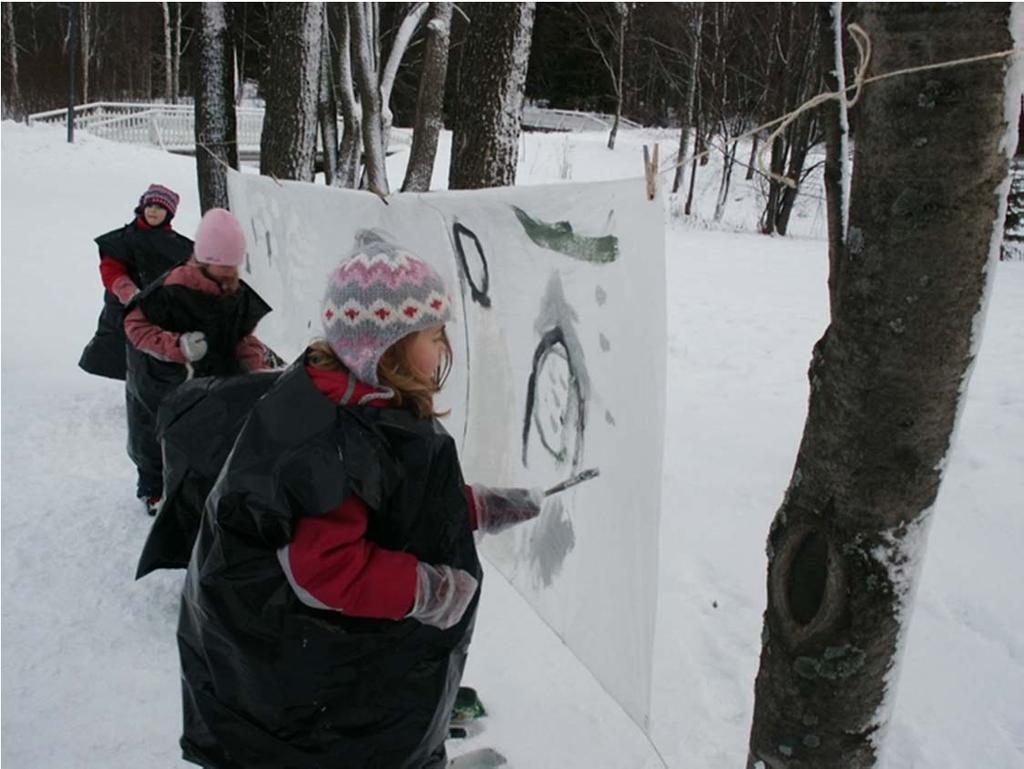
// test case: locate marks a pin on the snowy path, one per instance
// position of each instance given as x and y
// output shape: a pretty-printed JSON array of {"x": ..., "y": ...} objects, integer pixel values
[{"x": 89, "y": 660}]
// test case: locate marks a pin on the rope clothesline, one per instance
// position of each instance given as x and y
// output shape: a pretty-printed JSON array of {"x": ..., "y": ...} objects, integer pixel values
[{"x": 863, "y": 42}]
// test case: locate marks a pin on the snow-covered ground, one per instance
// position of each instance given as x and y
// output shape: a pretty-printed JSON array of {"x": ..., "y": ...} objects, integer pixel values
[{"x": 89, "y": 661}]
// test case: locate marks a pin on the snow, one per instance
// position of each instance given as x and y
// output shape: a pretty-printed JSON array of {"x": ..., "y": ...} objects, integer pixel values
[{"x": 89, "y": 660}]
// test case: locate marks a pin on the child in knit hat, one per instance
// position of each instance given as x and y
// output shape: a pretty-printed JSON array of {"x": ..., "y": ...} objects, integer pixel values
[
  {"x": 196, "y": 320},
  {"x": 132, "y": 257},
  {"x": 330, "y": 601}
]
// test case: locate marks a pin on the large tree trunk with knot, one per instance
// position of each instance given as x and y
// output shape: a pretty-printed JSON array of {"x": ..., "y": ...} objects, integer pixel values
[{"x": 887, "y": 382}]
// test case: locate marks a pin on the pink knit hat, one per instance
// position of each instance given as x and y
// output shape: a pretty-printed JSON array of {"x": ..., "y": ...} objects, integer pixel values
[{"x": 219, "y": 239}]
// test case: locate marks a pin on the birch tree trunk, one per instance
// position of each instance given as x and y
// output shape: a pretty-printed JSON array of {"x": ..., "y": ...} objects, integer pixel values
[
  {"x": 288, "y": 140},
  {"x": 430, "y": 101},
  {"x": 728, "y": 162},
  {"x": 176, "y": 80},
  {"x": 622, "y": 9},
  {"x": 348, "y": 152},
  {"x": 85, "y": 48},
  {"x": 387, "y": 79},
  {"x": 800, "y": 74},
  {"x": 686, "y": 119},
  {"x": 168, "y": 58},
  {"x": 799, "y": 148},
  {"x": 485, "y": 137},
  {"x": 751, "y": 164},
  {"x": 363, "y": 42},
  {"x": 888, "y": 380},
  {"x": 216, "y": 137}
]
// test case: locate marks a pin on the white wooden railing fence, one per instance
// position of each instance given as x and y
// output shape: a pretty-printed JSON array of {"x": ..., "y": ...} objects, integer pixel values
[
  {"x": 169, "y": 126},
  {"x": 172, "y": 126}
]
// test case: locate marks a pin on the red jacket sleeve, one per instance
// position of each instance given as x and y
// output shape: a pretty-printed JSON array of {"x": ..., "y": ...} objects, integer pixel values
[
  {"x": 331, "y": 565},
  {"x": 471, "y": 501},
  {"x": 110, "y": 270},
  {"x": 252, "y": 354}
]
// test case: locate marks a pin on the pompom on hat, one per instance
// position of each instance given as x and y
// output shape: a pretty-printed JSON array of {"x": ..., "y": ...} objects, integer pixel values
[
  {"x": 158, "y": 195},
  {"x": 379, "y": 294},
  {"x": 219, "y": 239}
]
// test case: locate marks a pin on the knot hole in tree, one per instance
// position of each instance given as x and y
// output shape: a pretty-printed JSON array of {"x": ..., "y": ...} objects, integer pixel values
[{"x": 807, "y": 584}]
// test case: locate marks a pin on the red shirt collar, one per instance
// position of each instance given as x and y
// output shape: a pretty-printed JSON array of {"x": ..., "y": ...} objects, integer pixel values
[
  {"x": 343, "y": 388},
  {"x": 140, "y": 222}
]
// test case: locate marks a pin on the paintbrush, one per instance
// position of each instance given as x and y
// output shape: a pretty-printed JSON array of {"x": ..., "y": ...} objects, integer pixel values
[{"x": 586, "y": 475}]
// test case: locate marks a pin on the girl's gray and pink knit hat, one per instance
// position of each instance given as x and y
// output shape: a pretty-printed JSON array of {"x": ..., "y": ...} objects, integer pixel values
[{"x": 379, "y": 294}]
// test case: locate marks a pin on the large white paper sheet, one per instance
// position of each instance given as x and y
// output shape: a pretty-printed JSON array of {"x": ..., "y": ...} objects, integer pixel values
[{"x": 559, "y": 342}]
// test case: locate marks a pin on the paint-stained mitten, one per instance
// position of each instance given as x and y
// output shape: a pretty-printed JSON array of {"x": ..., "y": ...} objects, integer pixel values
[{"x": 498, "y": 509}]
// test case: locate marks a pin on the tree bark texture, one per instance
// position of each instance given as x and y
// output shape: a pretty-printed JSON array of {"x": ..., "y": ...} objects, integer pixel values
[
  {"x": 327, "y": 109},
  {"x": 363, "y": 40},
  {"x": 751, "y": 164},
  {"x": 351, "y": 138},
  {"x": 168, "y": 58},
  {"x": 240, "y": 23},
  {"x": 886, "y": 381},
  {"x": 622, "y": 9},
  {"x": 686, "y": 119},
  {"x": 176, "y": 77},
  {"x": 216, "y": 135},
  {"x": 288, "y": 141},
  {"x": 793, "y": 78},
  {"x": 430, "y": 100},
  {"x": 11, "y": 98},
  {"x": 485, "y": 136},
  {"x": 85, "y": 47}
]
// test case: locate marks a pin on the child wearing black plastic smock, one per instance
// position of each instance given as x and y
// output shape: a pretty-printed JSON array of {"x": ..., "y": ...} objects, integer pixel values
[
  {"x": 132, "y": 257},
  {"x": 330, "y": 600},
  {"x": 195, "y": 320}
]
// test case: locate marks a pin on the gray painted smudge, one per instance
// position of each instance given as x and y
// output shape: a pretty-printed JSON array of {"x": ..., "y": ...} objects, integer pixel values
[
  {"x": 601, "y": 296},
  {"x": 609, "y": 418},
  {"x": 605, "y": 344},
  {"x": 551, "y": 540}
]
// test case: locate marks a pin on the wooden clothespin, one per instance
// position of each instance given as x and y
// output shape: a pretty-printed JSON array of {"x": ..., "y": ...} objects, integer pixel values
[{"x": 651, "y": 172}]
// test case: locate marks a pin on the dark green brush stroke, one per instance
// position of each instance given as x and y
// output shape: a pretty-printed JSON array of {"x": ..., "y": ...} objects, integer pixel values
[{"x": 560, "y": 237}]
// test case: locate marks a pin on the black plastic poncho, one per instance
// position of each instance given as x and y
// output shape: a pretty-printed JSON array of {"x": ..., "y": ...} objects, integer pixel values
[
  {"x": 147, "y": 254},
  {"x": 271, "y": 683},
  {"x": 225, "y": 319},
  {"x": 197, "y": 425}
]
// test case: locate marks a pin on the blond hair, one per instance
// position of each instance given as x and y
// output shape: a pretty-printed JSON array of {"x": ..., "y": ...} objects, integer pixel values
[{"x": 412, "y": 390}]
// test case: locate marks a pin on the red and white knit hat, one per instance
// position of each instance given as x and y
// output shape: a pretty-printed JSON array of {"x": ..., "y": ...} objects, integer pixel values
[
  {"x": 379, "y": 294},
  {"x": 158, "y": 195},
  {"x": 219, "y": 239}
]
